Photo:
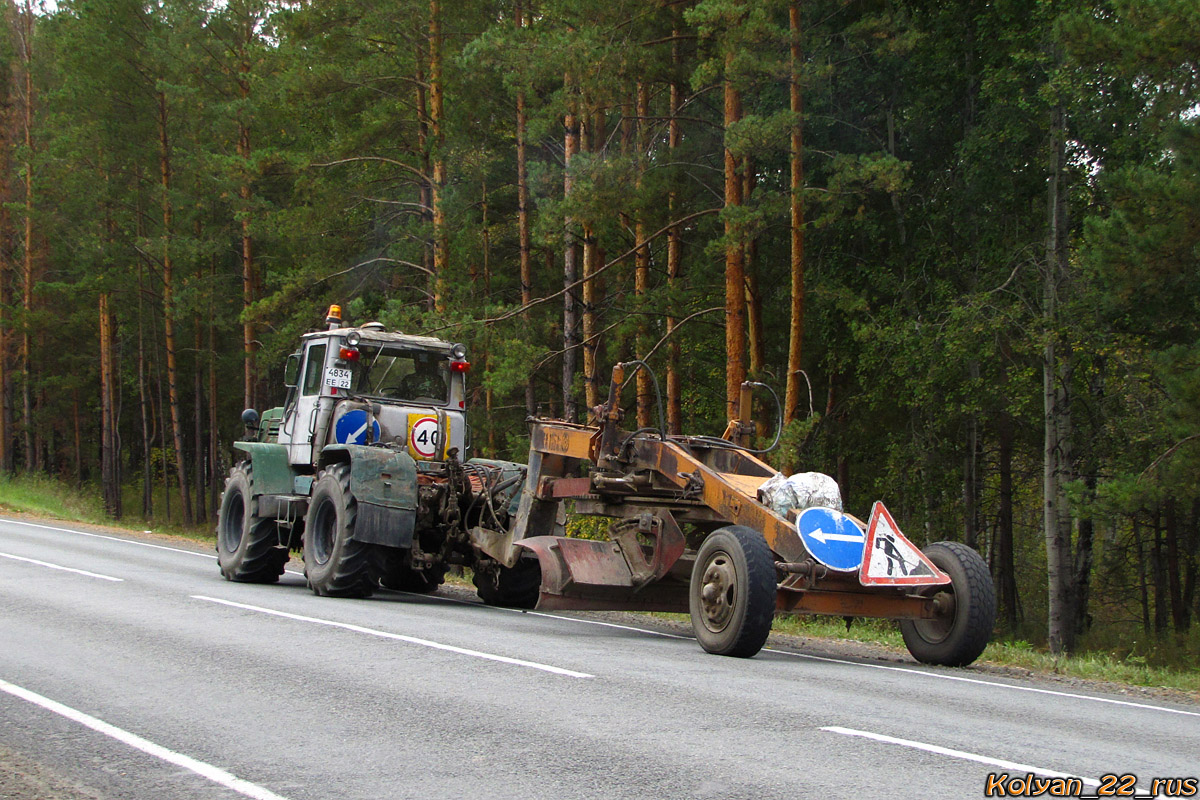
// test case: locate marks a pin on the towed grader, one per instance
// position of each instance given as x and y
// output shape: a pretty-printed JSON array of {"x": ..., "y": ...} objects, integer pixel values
[{"x": 362, "y": 470}]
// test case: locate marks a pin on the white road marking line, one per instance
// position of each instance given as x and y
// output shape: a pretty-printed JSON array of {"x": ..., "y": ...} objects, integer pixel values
[
  {"x": 997, "y": 684},
  {"x": 214, "y": 774},
  {"x": 1128, "y": 703},
  {"x": 59, "y": 566},
  {"x": 946, "y": 751},
  {"x": 547, "y": 616},
  {"x": 5, "y": 520},
  {"x": 401, "y": 638},
  {"x": 909, "y": 670}
]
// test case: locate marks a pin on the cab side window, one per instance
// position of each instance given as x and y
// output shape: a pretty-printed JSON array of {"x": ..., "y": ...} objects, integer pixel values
[{"x": 313, "y": 369}]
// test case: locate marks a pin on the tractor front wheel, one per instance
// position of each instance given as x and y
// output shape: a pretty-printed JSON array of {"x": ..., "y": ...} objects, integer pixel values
[
  {"x": 732, "y": 593},
  {"x": 247, "y": 543},
  {"x": 336, "y": 564},
  {"x": 958, "y": 635}
]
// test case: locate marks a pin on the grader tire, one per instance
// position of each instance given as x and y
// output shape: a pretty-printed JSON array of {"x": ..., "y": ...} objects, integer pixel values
[
  {"x": 516, "y": 587},
  {"x": 336, "y": 564},
  {"x": 958, "y": 638},
  {"x": 248, "y": 548},
  {"x": 732, "y": 592}
]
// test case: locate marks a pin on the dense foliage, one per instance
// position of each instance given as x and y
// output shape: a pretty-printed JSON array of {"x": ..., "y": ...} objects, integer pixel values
[{"x": 987, "y": 214}]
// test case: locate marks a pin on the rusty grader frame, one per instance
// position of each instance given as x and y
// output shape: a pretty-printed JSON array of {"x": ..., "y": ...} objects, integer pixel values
[{"x": 653, "y": 488}]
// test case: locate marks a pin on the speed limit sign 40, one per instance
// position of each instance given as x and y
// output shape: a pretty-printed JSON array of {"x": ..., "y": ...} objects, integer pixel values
[{"x": 424, "y": 436}]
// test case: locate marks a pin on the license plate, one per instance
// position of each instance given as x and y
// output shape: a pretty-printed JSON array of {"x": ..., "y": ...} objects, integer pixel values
[{"x": 338, "y": 377}]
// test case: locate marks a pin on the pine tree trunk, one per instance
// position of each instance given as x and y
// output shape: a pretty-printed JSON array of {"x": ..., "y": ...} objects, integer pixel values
[
  {"x": 1004, "y": 561},
  {"x": 591, "y": 137},
  {"x": 185, "y": 498},
  {"x": 1143, "y": 587},
  {"x": 441, "y": 240},
  {"x": 249, "y": 275},
  {"x": 215, "y": 483},
  {"x": 641, "y": 270},
  {"x": 7, "y": 236},
  {"x": 1056, "y": 523},
  {"x": 198, "y": 420},
  {"x": 1174, "y": 567},
  {"x": 426, "y": 187},
  {"x": 146, "y": 404},
  {"x": 523, "y": 231},
  {"x": 110, "y": 477},
  {"x": 570, "y": 263},
  {"x": 792, "y": 393},
  {"x": 674, "y": 259},
  {"x": 735, "y": 278},
  {"x": 25, "y": 35},
  {"x": 1158, "y": 568}
]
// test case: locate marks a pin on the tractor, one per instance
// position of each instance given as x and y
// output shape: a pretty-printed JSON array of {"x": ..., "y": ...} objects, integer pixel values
[{"x": 364, "y": 471}]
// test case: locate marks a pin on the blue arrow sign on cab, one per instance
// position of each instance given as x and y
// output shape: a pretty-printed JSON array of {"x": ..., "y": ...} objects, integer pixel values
[{"x": 832, "y": 538}]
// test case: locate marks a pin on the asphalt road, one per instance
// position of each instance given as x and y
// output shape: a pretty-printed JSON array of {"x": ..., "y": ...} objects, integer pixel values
[{"x": 130, "y": 669}]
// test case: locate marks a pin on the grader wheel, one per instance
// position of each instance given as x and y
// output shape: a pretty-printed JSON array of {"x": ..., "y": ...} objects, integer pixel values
[{"x": 732, "y": 592}]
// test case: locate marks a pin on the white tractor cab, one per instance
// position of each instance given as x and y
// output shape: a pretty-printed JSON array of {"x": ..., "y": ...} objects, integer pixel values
[
  {"x": 364, "y": 385},
  {"x": 363, "y": 469}
]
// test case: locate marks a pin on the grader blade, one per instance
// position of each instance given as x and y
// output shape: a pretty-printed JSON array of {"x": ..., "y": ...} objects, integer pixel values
[{"x": 624, "y": 573}]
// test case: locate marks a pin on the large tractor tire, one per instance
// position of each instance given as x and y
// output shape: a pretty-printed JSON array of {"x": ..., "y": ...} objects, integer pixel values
[
  {"x": 336, "y": 565},
  {"x": 247, "y": 544},
  {"x": 516, "y": 587},
  {"x": 732, "y": 592},
  {"x": 957, "y": 637},
  {"x": 396, "y": 574}
]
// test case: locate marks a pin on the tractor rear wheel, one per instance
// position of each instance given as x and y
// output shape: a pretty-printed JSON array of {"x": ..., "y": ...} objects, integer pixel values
[
  {"x": 247, "y": 543},
  {"x": 732, "y": 592},
  {"x": 336, "y": 564},
  {"x": 959, "y": 634},
  {"x": 519, "y": 586}
]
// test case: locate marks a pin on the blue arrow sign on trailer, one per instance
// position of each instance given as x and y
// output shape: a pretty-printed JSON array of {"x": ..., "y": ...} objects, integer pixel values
[{"x": 832, "y": 538}]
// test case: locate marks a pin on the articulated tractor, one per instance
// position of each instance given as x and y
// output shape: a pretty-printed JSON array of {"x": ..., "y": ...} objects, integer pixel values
[{"x": 365, "y": 471}]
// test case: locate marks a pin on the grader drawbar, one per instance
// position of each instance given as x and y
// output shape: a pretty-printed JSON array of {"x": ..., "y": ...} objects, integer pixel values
[
  {"x": 364, "y": 471},
  {"x": 690, "y": 533}
]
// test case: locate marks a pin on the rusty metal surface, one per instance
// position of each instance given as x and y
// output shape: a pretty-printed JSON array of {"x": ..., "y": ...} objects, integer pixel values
[
  {"x": 584, "y": 574},
  {"x": 692, "y": 481},
  {"x": 719, "y": 494},
  {"x": 668, "y": 545},
  {"x": 854, "y": 604}
]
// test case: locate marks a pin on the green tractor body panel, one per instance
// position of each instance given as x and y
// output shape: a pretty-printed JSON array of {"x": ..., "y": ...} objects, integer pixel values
[
  {"x": 268, "y": 426},
  {"x": 272, "y": 472},
  {"x": 384, "y": 482}
]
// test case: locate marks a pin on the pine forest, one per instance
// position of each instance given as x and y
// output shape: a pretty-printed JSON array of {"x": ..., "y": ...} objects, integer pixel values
[{"x": 959, "y": 240}]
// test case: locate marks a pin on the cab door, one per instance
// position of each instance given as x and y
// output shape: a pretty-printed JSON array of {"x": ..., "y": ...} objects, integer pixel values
[{"x": 300, "y": 419}]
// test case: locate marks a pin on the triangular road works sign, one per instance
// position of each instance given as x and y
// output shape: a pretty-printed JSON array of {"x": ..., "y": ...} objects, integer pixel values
[{"x": 889, "y": 559}]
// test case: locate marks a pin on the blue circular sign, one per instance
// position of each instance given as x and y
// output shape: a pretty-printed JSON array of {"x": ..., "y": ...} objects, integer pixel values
[
  {"x": 832, "y": 538},
  {"x": 351, "y": 428}
]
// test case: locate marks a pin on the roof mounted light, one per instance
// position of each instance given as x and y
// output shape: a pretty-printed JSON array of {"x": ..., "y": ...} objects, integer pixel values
[{"x": 334, "y": 317}]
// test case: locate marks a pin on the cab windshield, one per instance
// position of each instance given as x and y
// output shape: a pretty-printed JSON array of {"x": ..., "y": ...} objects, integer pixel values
[{"x": 399, "y": 374}]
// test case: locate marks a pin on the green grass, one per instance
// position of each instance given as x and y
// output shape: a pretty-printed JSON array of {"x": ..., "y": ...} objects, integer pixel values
[
  {"x": 1163, "y": 664},
  {"x": 51, "y": 497},
  {"x": 46, "y": 496}
]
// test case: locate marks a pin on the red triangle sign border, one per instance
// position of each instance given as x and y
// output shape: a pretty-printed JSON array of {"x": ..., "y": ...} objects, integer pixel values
[{"x": 878, "y": 512}]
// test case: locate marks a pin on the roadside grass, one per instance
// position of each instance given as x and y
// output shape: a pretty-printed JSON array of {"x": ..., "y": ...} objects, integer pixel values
[
  {"x": 46, "y": 496},
  {"x": 1169, "y": 664}
]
